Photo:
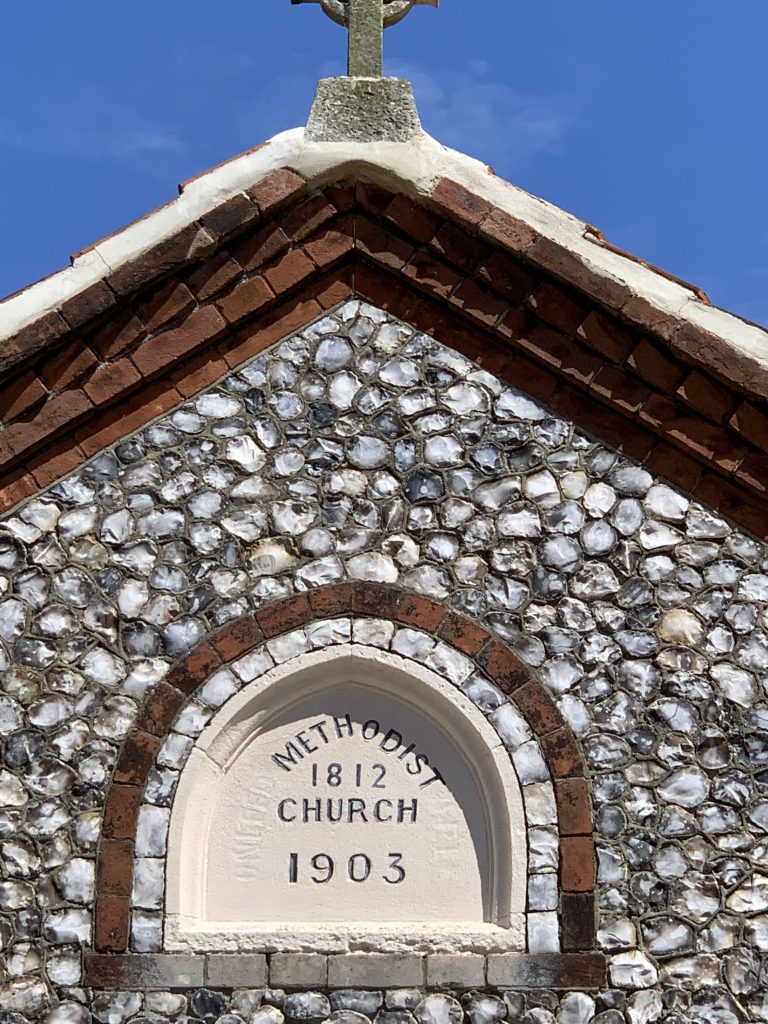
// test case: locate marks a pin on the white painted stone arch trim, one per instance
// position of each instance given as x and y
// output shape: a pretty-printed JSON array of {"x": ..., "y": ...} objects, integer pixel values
[{"x": 511, "y": 750}]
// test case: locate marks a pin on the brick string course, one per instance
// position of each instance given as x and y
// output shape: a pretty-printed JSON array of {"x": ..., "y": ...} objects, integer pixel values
[
  {"x": 269, "y": 261},
  {"x": 114, "y": 866}
]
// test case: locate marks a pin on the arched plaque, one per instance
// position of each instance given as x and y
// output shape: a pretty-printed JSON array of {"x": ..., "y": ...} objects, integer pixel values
[{"x": 346, "y": 800}]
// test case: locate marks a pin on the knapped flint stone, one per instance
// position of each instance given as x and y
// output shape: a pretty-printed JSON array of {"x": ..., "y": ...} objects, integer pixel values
[
  {"x": 484, "y": 1009},
  {"x": 103, "y": 467},
  {"x": 253, "y": 400},
  {"x": 402, "y": 998},
  {"x": 267, "y": 1014},
  {"x": 577, "y": 1008},
  {"x": 516, "y": 1006},
  {"x": 611, "y": 999},
  {"x": 130, "y": 451},
  {"x": 390, "y": 425},
  {"x": 322, "y": 415},
  {"x": 439, "y": 1009},
  {"x": 307, "y": 1006},
  {"x": 359, "y": 1000},
  {"x": 423, "y": 485},
  {"x": 395, "y": 1017},
  {"x": 207, "y": 1005},
  {"x": 348, "y": 1017},
  {"x": 274, "y": 996},
  {"x": 23, "y": 748},
  {"x": 115, "y": 1007},
  {"x": 28, "y": 923},
  {"x": 69, "y": 1012}
]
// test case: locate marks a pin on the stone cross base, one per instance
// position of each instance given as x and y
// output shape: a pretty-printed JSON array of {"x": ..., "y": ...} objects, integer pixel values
[{"x": 363, "y": 110}]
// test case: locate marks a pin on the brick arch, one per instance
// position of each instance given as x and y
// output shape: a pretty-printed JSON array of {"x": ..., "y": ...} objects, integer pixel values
[{"x": 577, "y": 877}]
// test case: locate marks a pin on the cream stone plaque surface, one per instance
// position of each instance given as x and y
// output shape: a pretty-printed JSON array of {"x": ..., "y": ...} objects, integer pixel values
[{"x": 338, "y": 800}]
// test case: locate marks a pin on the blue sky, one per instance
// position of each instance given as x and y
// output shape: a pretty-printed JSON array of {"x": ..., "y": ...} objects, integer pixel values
[{"x": 646, "y": 119}]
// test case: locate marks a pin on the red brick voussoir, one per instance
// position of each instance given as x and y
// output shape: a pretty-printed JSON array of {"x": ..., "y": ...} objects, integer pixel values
[{"x": 492, "y": 656}]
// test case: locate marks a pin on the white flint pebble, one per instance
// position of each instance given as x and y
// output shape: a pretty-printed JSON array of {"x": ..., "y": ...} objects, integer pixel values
[
  {"x": 151, "y": 831},
  {"x": 576, "y": 1008},
  {"x": 632, "y": 970}
]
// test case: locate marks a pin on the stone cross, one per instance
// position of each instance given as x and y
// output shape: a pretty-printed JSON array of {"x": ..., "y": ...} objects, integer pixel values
[{"x": 366, "y": 20}]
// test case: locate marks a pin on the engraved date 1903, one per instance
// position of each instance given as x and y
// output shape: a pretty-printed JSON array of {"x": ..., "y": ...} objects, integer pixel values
[{"x": 359, "y": 867}]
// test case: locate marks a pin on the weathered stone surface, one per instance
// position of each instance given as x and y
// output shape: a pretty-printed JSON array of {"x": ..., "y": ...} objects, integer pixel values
[
  {"x": 547, "y": 971},
  {"x": 243, "y": 970},
  {"x": 144, "y": 971},
  {"x": 464, "y": 970},
  {"x": 298, "y": 970},
  {"x": 376, "y": 970},
  {"x": 363, "y": 110}
]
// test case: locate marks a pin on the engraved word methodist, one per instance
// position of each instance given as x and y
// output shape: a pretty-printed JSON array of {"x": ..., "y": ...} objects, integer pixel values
[{"x": 366, "y": 20}]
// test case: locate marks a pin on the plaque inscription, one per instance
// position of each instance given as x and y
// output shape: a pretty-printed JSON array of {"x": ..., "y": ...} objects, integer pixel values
[
  {"x": 343, "y": 810},
  {"x": 373, "y": 781}
]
